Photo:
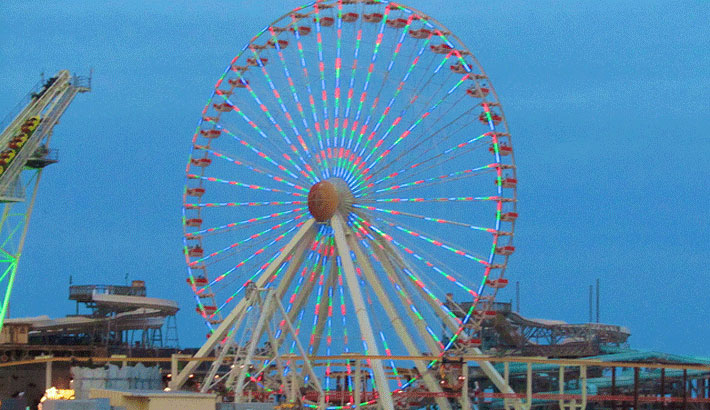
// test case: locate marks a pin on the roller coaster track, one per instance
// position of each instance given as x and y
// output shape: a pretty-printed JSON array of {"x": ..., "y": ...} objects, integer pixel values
[{"x": 24, "y": 168}]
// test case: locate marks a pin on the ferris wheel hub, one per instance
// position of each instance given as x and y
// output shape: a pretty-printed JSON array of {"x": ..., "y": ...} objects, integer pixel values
[
  {"x": 323, "y": 200},
  {"x": 328, "y": 197}
]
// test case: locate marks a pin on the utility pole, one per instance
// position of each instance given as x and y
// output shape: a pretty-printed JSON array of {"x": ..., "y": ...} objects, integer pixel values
[
  {"x": 591, "y": 291},
  {"x": 597, "y": 300},
  {"x": 517, "y": 296}
]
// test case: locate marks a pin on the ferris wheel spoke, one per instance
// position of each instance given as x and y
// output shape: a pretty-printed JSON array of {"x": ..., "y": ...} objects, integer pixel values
[
  {"x": 400, "y": 276},
  {"x": 386, "y": 153},
  {"x": 338, "y": 66},
  {"x": 365, "y": 261},
  {"x": 396, "y": 50},
  {"x": 441, "y": 179},
  {"x": 426, "y": 137},
  {"x": 448, "y": 318},
  {"x": 243, "y": 185},
  {"x": 366, "y": 332},
  {"x": 321, "y": 70},
  {"x": 428, "y": 262},
  {"x": 267, "y": 284},
  {"x": 228, "y": 281},
  {"x": 356, "y": 171},
  {"x": 294, "y": 95},
  {"x": 306, "y": 282},
  {"x": 425, "y": 218},
  {"x": 285, "y": 282},
  {"x": 342, "y": 151},
  {"x": 412, "y": 170},
  {"x": 239, "y": 204},
  {"x": 368, "y": 77},
  {"x": 266, "y": 266},
  {"x": 417, "y": 93},
  {"x": 250, "y": 238},
  {"x": 251, "y": 168},
  {"x": 259, "y": 152},
  {"x": 279, "y": 99},
  {"x": 226, "y": 260},
  {"x": 407, "y": 131},
  {"x": 378, "y": 327},
  {"x": 269, "y": 141},
  {"x": 275, "y": 124},
  {"x": 351, "y": 91},
  {"x": 211, "y": 316},
  {"x": 446, "y": 274},
  {"x": 418, "y": 168},
  {"x": 327, "y": 151},
  {"x": 297, "y": 134},
  {"x": 440, "y": 199},
  {"x": 414, "y": 95},
  {"x": 250, "y": 221},
  {"x": 392, "y": 100},
  {"x": 326, "y": 281},
  {"x": 329, "y": 337},
  {"x": 311, "y": 100},
  {"x": 431, "y": 240},
  {"x": 343, "y": 316},
  {"x": 300, "y": 298},
  {"x": 344, "y": 328}
]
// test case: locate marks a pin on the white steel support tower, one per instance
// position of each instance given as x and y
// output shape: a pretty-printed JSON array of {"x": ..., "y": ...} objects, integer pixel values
[{"x": 24, "y": 152}]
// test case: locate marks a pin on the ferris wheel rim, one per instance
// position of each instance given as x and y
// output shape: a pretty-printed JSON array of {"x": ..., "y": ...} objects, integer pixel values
[{"x": 401, "y": 7}]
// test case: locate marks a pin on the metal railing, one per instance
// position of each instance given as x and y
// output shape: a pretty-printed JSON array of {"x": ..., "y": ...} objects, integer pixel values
[
  {"x": 84, "y": 292},
  {"x": 12, "y": 114},
  {"x": 82, "y": 82}
]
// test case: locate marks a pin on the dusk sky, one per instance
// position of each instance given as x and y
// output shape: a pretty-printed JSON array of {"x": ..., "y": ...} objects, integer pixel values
[{"x": 608, "y": 105}]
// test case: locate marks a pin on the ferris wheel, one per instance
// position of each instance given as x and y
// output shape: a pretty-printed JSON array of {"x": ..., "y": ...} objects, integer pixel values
[{"x": 351, "y": 189}]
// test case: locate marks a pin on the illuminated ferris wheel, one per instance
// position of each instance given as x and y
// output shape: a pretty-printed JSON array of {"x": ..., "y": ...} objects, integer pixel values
[{"x": 350, "y": 190}]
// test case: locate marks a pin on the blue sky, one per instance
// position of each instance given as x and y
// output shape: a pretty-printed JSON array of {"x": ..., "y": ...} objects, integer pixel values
[{"x": 607, "y": 102}]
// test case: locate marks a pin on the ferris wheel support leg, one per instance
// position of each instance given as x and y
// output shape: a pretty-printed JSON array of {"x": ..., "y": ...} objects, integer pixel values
[
  {"x": 399, "y": 327},
  {"x": 464, "y": 400},
  {"x": 360, "y": 311},
  {"x": 275, "y": 343},
  {"x": 266, "y": 313},
  {"x": 277, "y": 358},
  {"x": 302, "y": 351},
  {"x": 330, "y": 282},
  {"x": 298, "y": 255},
  {"x": 303, "y": 294},
  {"x": 228, "y": 322},
  {"x": 495, "y": 377},
  {"x": 293, "y": 391},
  {"x": 209, "y": 380},
  {"x": 322, "y": 319},
  {"x": 268, "y": 308},
  {"x": 445, "y": 319},
  {"x": 358, "y": 382},
  {"x": 487, "y": 367},
  {"x": 402, "y": 265},
  {"x": 389, "y": 268}
]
